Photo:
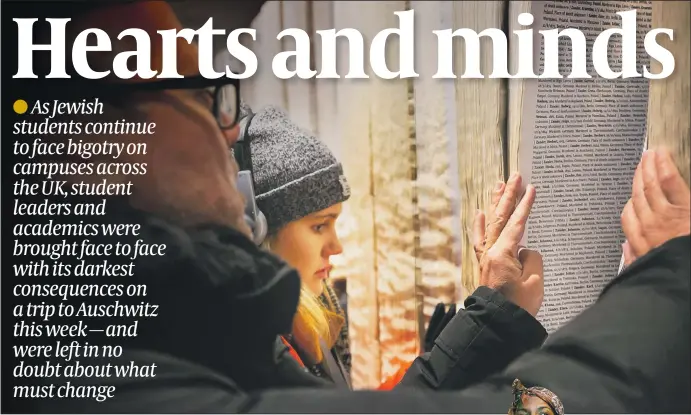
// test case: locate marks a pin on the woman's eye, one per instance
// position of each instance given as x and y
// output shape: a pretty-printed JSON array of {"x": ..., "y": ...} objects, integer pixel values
[{"x": 319, "y": 228}]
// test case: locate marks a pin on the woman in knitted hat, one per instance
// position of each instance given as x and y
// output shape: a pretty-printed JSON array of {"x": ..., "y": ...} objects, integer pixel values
[{"x": 299, "y": 187}]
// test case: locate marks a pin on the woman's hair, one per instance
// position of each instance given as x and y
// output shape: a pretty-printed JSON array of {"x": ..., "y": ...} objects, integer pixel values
[{"x": 313, "y": 321}]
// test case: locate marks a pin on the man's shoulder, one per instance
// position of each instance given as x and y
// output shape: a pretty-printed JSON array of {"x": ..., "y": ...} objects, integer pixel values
[{"x": 142, "y": 381}]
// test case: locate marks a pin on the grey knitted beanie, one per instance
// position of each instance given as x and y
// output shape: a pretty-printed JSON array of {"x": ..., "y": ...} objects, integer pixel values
[{"x": 295, "y": 174}]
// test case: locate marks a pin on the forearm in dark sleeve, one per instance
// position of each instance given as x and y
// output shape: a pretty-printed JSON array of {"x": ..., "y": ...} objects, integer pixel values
[{"x": 480, "y": 340}]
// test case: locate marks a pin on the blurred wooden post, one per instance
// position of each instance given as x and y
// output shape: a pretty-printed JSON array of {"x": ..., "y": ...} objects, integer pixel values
[
  {"x": 264, "y": 88},
  {"x": 669, "y": 100},
  {"x": 326, "y": 117},
  {"x": 356, "y": 224},
  {"x": 300, "y": 93},
  {"x": 516, "y": 87},
  {"x": 393, "y": 187},
  {"x": 438, "y": 262},
  {"x": 481, "y": 119}
]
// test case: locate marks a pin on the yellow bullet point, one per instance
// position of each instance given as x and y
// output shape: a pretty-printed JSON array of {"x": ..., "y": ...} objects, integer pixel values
[{"x": 20, "y": 106}]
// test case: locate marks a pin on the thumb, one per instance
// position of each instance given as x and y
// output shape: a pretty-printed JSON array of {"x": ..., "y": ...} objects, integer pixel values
[
  {"x": 535, "y": 278},
  {"x": 531, "y": 261},
  {"x": 534, "y": 287},
  {"x": 629, "y": 256}
]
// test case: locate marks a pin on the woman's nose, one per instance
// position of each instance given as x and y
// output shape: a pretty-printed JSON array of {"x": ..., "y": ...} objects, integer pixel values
[{"x": 334, "y": 247}]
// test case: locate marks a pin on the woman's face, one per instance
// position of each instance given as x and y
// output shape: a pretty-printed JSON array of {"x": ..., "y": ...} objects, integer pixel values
[
  {"x": 307, "y": 244},
  {"x": 532, "y": 405}
]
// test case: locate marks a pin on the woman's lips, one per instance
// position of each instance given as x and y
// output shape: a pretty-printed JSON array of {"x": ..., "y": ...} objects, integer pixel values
[{"x": 324, "y": 272}]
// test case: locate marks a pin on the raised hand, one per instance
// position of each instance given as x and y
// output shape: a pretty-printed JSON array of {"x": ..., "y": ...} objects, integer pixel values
[
  {"x": 659, "y": 207},
  {"x": 514, "y": 271}
]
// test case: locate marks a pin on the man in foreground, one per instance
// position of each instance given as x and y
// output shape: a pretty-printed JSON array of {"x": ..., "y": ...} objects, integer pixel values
[{"x": 220, "y": 304}]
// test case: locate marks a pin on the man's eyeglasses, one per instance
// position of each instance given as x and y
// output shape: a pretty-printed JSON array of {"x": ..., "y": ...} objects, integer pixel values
[{"x": 224, "y": 93}]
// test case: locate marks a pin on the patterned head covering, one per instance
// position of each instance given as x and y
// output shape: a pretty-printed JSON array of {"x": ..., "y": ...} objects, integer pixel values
[{"x": 545, "y": 394}]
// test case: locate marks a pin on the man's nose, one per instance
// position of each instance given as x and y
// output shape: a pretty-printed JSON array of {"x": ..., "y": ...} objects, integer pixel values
[{"x": 231, "y": 135}]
